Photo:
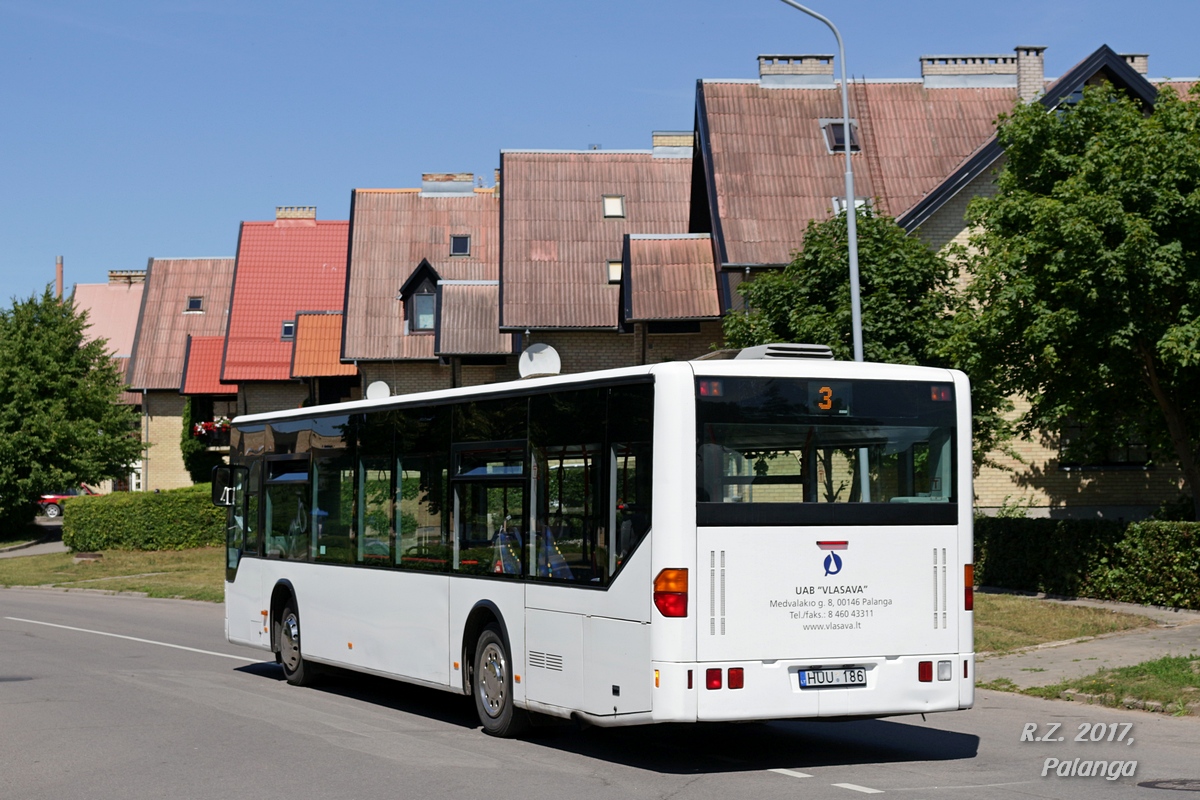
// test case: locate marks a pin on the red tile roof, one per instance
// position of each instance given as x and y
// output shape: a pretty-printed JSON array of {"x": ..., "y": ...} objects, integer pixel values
[
  {"x": 557, "y": 241},
  {"x": 164, "y": 323},
  {"x": 773, "y": 172},
  {"x": 318, "y": 347},
  {"x": 112, "y": 310},
  {"x": 670, "y": 278},
  {"x": 283, "y": 267},
  {"x": 393, "y": 231},
  {"x": 469, "y": 319},
  {"x": 202, "y": 367}
]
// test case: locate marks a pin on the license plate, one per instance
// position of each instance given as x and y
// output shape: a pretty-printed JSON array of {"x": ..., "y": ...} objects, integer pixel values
[{"x": 817, "y": 678}]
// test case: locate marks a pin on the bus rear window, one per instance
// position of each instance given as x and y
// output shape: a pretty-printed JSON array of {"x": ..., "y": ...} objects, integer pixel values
[{"x": 774, "y": 441}]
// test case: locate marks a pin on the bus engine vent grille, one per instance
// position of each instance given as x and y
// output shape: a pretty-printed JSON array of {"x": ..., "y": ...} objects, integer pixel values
[{"x": 551, "y": 661}]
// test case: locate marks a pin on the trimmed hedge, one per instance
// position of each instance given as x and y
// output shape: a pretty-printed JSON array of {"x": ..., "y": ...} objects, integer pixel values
[
  {"x": 1144, "y": 562},
  {"x": 174, "y": 520}
]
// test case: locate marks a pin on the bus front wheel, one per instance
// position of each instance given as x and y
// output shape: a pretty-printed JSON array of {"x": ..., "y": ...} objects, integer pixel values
[
  {"x": 297, "y": 672},
  {"x": 493, "y": 687}
]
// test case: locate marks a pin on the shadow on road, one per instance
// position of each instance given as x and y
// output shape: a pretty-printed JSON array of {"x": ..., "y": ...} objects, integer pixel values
[{"x": 704, "y": 748}]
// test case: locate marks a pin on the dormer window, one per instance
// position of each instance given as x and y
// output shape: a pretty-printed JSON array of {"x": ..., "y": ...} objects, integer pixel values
[
  {"x": 288, "y": 330},
  {"x": 835, "y": 138},
  {"x": 460, "y": 245},
  {"x": 614, "y": 206},
  {"x": 419, "y": 298},
  {"x": 422, "y": 308},
  {"x": 195, "y": 304}
]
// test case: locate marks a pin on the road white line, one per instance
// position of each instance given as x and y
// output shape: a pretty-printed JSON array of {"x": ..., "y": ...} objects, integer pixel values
[
  {"x": 136, "y": 639},
  {"x": 856, "y": 788},
  {"x": 792, "y": 773}
]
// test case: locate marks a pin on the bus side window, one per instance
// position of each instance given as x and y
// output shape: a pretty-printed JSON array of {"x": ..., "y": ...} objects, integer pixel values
[{"x": 630, "y": 435}]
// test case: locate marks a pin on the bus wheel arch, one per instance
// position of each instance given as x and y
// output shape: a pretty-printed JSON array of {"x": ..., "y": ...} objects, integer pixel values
[
  {"x": 282, "y": 595},
  {"x": 483, "y": 614},
  {"x": 489, "y": 676}
]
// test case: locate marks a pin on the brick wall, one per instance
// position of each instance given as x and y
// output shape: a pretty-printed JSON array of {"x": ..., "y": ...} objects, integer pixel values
[
  {"x": 258, "y": 397},
  {"x": 162, "y": 427}
]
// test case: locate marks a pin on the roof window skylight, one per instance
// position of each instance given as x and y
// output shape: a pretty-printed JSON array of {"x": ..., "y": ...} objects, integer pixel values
[
  {"x": 835, "y": 140},
  {"x": 614, "y": 206}
]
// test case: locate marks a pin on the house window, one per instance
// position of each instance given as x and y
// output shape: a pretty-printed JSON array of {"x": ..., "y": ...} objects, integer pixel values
[
  {"x": 1128, "y": 453},
  {"x": 288, "y": 330},
  {"x": 614, "y": 272},
  {"x": 835, "y": 138},
  {"x": 423, "y": 307},
  {"x": 195, "y": 304},
  {"x": 614, "y": 206},
  {"x": 460, "y": 245}
]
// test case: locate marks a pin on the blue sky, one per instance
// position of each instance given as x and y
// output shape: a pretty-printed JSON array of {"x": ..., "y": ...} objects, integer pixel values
[{"x": 150, "y": 128}]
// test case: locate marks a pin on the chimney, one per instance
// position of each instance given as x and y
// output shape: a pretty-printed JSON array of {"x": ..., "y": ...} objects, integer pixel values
[
  {"x": 126, "y": 277},
  {"x": 295, "y": 212},
  {"x": 1031, "y": 72},
  {"x": 447, "y": 184},
  {"x": 799, "y": 70},
  {"x": 672, "y": 144},
  {"x": 1139, "y": 61},
  {"x": 962, "y": 72},
  {"x": 58, "y": 277}
]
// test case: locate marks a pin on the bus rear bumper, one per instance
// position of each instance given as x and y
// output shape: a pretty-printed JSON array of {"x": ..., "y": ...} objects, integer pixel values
[{"x": 773, "y": 690}]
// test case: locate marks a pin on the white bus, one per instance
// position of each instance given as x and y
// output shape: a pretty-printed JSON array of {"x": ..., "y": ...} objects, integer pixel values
[{"x": 749, "y": 537}]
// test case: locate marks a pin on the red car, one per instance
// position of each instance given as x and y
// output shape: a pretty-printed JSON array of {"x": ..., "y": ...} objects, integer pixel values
[{"x": 51, "y": 504}]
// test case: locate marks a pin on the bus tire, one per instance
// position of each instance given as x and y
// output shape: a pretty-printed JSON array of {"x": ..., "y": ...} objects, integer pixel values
[
  {"x": 295, "y": 670},
  {"x": 493, "y": 686}
]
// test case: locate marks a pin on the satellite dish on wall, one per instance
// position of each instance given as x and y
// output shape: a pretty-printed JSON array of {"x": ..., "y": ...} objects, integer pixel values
[
  {"x": 378, "y": 390},
  {"x": 537, "y": 360}
]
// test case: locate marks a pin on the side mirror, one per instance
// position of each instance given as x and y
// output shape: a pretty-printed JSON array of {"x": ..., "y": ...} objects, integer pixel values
[{"x": 225, "y": 482}]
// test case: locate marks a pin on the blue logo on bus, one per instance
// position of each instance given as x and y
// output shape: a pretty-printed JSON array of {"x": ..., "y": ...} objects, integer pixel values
[{"x": 833, "y": 562}]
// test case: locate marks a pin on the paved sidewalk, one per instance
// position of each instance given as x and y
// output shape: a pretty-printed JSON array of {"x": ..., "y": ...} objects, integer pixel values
[
  {"x": 1177, "y": 633},
  {"x": 50, "y": 542}
]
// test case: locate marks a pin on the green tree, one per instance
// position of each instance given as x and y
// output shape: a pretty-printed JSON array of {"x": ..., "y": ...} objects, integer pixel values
[
  {"x": 1085, "y": 296},
  {"x": 905, "y": 290},
  {"x": 60, "y": 420}
]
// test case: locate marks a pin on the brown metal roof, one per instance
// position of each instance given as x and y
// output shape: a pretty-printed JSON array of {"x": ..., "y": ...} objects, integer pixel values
[
  {"x": 392, "y": 231},
  {"x": 557, "y": 241},
  {"x": 318, "y": 347},
  {"x": 772, "y": 170},
  {"x": 469, "y": 319},
  {"x": 670, "y": 278},
  {"x": 112, "y": 310},
  {"x": 164, "y": 322}
]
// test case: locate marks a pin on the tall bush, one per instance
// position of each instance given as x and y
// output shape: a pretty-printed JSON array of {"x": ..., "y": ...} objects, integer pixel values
[
  {"x": 1145, "y": 562},
  {"x": 172, "y": 520}
]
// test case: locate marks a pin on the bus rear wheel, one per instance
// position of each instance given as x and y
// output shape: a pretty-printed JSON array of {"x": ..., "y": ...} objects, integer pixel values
[
  {"x": 493, "y": 686},
  {"x": 297, "y": 672}
]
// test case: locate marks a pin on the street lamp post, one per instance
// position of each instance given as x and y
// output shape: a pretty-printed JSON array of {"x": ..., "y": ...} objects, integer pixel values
[
  {"x": 851, "y": 212},
  {"x": 851, "y": 234}
]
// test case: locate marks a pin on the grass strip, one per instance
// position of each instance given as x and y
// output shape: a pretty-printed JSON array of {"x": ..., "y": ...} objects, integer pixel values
[
  {"x": 1004, "y": 623},
  {"x": 197, "y": 574},
  {"x": 1170, "y": 684}
]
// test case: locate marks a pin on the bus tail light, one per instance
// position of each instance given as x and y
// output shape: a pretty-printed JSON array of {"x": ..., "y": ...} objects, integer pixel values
[
  {"x": 712, "y": 678},
  {"x": 925, "y": 672},
  {"x": 671, "y": 592},
  {"x": 737, "y": 677},
  {"x": 968, "y": 587}
]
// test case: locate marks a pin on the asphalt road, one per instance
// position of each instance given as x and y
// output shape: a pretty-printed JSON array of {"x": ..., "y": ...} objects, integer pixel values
[{"x": 124, "y": 697}]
